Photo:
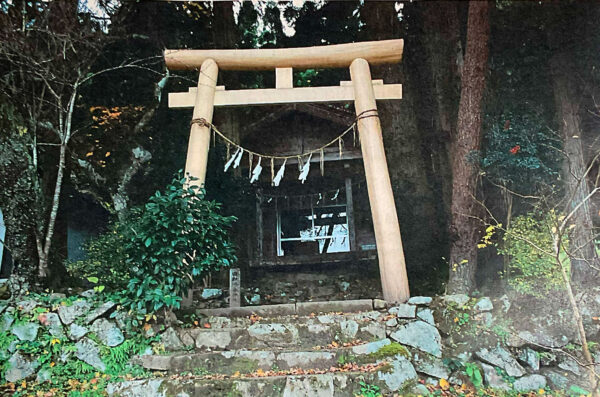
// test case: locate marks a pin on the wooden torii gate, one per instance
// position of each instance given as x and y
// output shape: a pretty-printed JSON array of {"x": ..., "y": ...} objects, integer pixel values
[{"x": 362, "y": 90}]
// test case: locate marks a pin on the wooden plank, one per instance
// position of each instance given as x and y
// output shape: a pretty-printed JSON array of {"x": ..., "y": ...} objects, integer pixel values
[
  {"x": 259, "y": 225},
  {"x": 350, "y": 215},
  {"x": 345, "y": 83},
  {"x": 284, "y": 78},
  {"x": 217, "y": 88},
  {"x": 330, "y": 56},
  {"x": 274, "y": 96}
]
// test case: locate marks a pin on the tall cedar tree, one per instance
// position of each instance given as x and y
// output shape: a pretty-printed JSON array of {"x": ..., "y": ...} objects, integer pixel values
[
  {"x": 567, "y": 98},
  {"x": 464, "y": 228}
]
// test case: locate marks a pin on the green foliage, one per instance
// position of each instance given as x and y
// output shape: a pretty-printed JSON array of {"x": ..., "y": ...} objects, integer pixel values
[
  {"x": 345, "y": 359},
  {"x": 519, "y": 152},
  {"x": 504, "y": 375},
  {"x": 528, "y": 243},
  {"x": 117, "y": 358},
  {"x": 368, "y": 390},
  {"x": 472, "y": 370},
  {"x": 578, "y": 391},
  {"x": 462, "y": 318},
  {"x": 57, "y": 359},
  {"x": 105, "y": 258},
  {"x": 155, "y": 254},
  {"x": 453, "y": 364},
  {"x": 474, "y": 373},
  {"x": 176, "y": 238},
  {"x": 6, "y": 338}
]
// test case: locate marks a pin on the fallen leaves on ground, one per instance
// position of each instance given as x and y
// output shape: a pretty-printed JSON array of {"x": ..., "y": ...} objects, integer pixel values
[
  {"x": 445, "y": 389},
  {"x": 260, "y": 373},
  {"x": 335, "y": 345},
  {"x": 254, "y": 318}
]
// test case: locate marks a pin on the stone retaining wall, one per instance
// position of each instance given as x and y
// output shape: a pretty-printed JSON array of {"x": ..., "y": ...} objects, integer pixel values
[{"x": 514, "y": 346}]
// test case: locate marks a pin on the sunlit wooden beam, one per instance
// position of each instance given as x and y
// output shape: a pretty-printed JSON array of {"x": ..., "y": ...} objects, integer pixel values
[
  {"x": 278, "y": 96},
  {"x": 330, "y": 56}
]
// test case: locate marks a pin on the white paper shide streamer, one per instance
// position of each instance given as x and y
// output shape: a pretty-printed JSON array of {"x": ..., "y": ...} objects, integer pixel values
[
  {"x": 257, "y": 171},
  {"x": 233, "y": 158},
  {"x": 236, "y": 163},
  {"x": 305, "y": 169},
  {"x": 279, "y": 175}
]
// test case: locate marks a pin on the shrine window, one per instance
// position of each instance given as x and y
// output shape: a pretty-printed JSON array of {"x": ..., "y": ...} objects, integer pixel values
[{"x": 314, "y": 229}]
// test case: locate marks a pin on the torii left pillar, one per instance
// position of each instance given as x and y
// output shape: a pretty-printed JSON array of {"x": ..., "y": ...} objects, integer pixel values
[{"x": 199, "y": 143}]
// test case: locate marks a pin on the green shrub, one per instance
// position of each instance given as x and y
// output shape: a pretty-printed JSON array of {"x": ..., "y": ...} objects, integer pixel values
[
  {"x": 178, "y": 237},
  {"x": 105, "y": 258},
  {"x": 368, "y": 390},
  {"x": 153, "y": 256},
  {"x": 527, "y": 244}
]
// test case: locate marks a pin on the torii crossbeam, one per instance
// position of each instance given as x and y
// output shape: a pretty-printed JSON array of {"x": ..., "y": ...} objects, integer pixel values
[{"x": 362, "y": 90}]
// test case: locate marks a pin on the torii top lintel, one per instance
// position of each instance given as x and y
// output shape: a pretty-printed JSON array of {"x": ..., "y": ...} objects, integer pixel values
[{"x": 330, "y": 56}]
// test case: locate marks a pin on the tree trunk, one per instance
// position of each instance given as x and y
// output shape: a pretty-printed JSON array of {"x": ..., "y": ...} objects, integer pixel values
[
  {"x": 464, "y": 230},
  {"x": 581, "y": 239},
  {"x": 120, "y": 198},
  {"x": 443, "y": 48},
  {"x": 44, "y": 254}
]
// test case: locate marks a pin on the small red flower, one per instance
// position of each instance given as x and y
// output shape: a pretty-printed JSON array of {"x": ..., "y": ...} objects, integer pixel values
[{"x": 515, "y": 149}]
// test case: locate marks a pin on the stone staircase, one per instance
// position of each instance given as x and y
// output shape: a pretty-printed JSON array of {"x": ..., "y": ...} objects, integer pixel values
[{"x": 327, "y": 349}]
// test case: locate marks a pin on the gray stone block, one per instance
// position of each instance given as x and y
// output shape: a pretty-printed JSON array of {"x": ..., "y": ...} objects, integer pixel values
[
  {"x": 403, "y": 310},
  {"x": 502, "y": 358},
  {"x": 419, "y": 300},
  {"x": 530, "y": 383},
  {"x": 420, "y": 335},
  {"x": 361, "y": 305},
  {"x": 402, "y": 372},
  {"x": 20, "y": 368},
  {"x": 26, "y": 331}
]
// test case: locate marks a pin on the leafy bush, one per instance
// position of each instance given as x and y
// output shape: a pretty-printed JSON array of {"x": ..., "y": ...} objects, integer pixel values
[
  {"x": 155, "y": 254},
  {"x": 178, "y": 237},
  {"x": 517, "y": 152},
  {"x": 368, "y": 390},
  {"x": 527, "y": 243},
  {"x": 105, "y": 258}
]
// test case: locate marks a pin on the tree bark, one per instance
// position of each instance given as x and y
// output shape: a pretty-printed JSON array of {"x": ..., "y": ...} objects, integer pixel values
[
  {"x": 464, "y": 230},
  {"x": 574, "y": 173},
  {"x": 44, "y": 254}
]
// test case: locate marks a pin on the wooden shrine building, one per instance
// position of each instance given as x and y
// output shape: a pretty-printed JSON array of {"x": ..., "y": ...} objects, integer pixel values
[{"x": 326, "y": 219}]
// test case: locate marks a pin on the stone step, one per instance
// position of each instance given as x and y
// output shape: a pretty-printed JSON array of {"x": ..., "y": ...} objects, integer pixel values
[
  {"x": 247, "y": 361},
  {"x": 290, "y": 333},
  {"x": 398, "y": 377},
  {"x": 214, "y": 322},
  {"x": 298, "y": 308}
]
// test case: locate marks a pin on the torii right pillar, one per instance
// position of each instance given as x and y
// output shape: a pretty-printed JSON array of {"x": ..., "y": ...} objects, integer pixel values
[{"x": 392, "y": 266}]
